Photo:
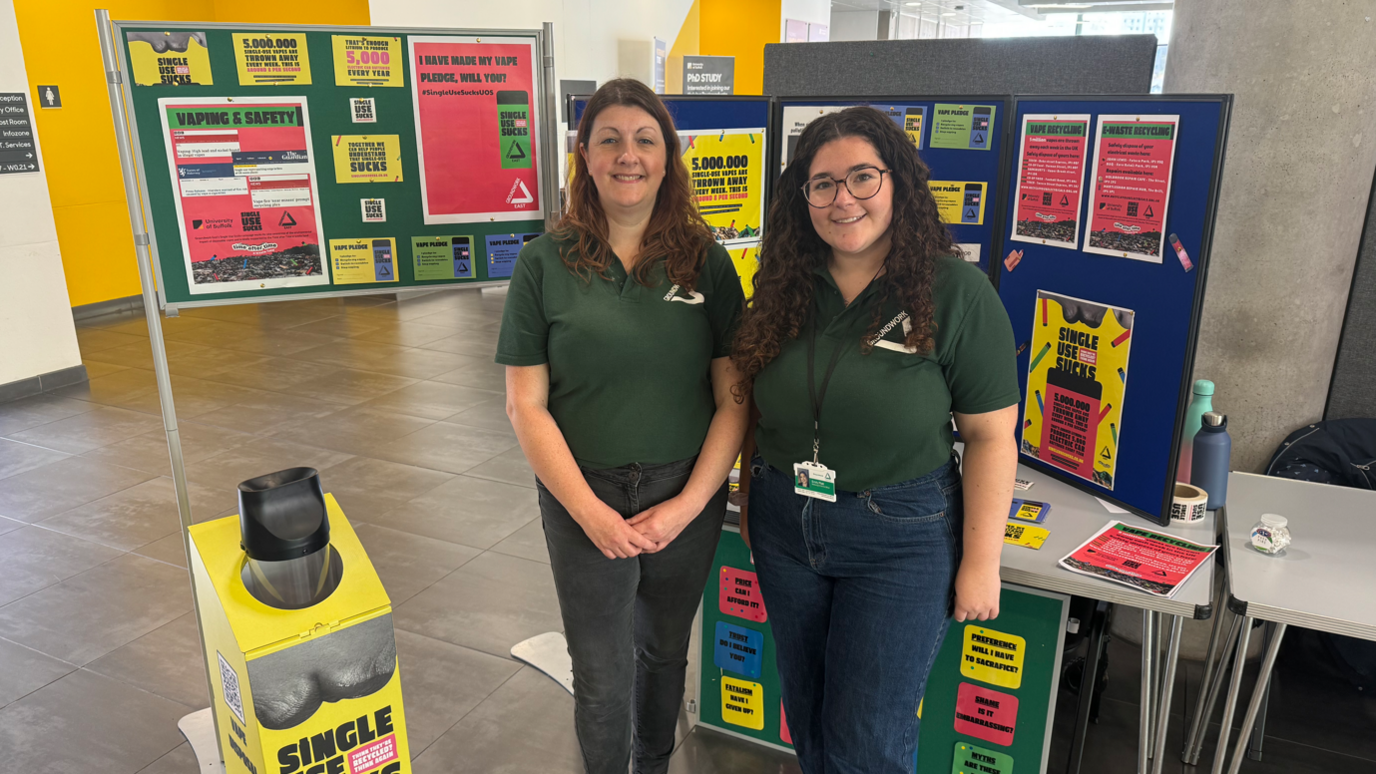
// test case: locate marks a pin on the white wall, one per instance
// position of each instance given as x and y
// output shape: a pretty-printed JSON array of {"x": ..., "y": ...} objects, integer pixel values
[
  {"x": 37, "y": 335},
  {"x": 810, "y": 11},
  {"x": 854, "y": 25}
]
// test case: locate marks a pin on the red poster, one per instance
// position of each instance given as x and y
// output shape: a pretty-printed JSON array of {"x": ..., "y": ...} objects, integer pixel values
[
  {"x": 244, "y": 184},
  {"x": 1051, "y": 172},
  {"x": 739, "y": 595},
  {"x": 986, "y": 714},
  {"x": 477, "y": 113},
  {"x": 1151, "y": 561},
  {"x": 1131, "y": 186}
]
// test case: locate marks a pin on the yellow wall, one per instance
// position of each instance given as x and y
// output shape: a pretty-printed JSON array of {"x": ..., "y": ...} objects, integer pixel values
[
  {"x": 82, "y": 164},
  {"x": 686, "y": 43},
  {"x": 740, "y": 28}
]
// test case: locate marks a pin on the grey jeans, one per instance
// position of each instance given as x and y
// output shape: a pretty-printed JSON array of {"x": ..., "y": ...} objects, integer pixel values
[{"x": 628, "y": 621}]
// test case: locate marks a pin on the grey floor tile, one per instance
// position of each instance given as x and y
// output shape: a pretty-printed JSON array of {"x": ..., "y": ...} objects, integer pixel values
[
  {"x": 24, "y": 670},
  {"x": 272, "y": 373},
  {"x": 217, "y": 333},
  {"x": 470, "y": 511},
  {"x": 167, "y": 661},
  {"x": 36, "y": 558},
  {"x": 47, "y": 491},
  {"x": 405, "y": 334},
  {"x": 90, "y": 614},
  {"x": 181, "y": 760},
  {"x": 408, "y": 564},
  {"x": 224, "y": 471},
  {"x": 484, "y": 375},
  {"x": 473, "y": 343},
  {"x": 341, "y": 326},
  {"x": 108, "y": 389},
  {"x": 435, "y": 400},
  {"x": 524, "y": 726},
  {"x": 148, "y": 452},
  {"x": 348, "y": 386},
  {"x": 95, "y": 339},
  {"x": 418, "y": 363},
  {"x": 192, "y": 397},
  {"x": 706, "y": 752},
  {"x": 356, "y": 430},
  {"x": 206, "y": 362},
  {"x": 96, "y": 369},
  {"x": 276, "y": 343},
  {"x": 139, "y": 353},
  {"x": 489, "y": 604},
  {"x": 16, "y": 457},
  {"x": 489, "y": 415},
  {"x": 509, "y": 467},
  {"x": 366, "y": 487},
  {"x": 528, "y": 542},
  {"x": 269, "y": 412},
  {"x": 451, "y": 448},
  {"x": 442, "y": 683},
  {"x": 131, "y": 518},
  {"x": 170, "y": 549},
  {"x": 88, "y": 723},
  {"x": 349, "y": 353},
  {"x": 39, "y": 410},
  {"x": 10, "y": 525},
  {"x": 91, "y": 430}
]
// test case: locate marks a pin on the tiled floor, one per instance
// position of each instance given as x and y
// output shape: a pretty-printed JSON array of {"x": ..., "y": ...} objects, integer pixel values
[{"x": 401, "y": 409}]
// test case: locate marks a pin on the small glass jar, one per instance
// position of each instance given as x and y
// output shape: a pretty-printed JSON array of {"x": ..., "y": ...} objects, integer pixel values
[{"x": 1271, "y": 535}]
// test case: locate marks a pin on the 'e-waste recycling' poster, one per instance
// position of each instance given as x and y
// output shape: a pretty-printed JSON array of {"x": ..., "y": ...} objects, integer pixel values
[
  {"x": 1131, "y": 186},
  {"x": 1051, "y": 173},
  {"x": 1076, "y": 386},
  {"x": 727, "y": 170},
  {"x": 244, "y": 184},
  {"x": 476, "y": 127}
]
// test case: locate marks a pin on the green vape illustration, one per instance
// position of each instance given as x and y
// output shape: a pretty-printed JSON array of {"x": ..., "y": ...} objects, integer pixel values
[{"x": 513, "y": 129}]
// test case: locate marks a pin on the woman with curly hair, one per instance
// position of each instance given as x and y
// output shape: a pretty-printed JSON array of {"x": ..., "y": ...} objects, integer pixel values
[
  {"x": 865, "y": 335},
  {"x": 616, "y": 336}
]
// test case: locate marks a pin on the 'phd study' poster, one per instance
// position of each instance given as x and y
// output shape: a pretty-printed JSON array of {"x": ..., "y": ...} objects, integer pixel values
[{"x": 1077, "y": 385}]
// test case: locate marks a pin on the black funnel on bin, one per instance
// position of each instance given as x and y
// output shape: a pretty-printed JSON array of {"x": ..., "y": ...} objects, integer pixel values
[{"x": 282, "y": 515}]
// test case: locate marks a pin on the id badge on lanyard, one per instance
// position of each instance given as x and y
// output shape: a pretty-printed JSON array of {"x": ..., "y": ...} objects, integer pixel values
[{"x": 813, "y": 479}]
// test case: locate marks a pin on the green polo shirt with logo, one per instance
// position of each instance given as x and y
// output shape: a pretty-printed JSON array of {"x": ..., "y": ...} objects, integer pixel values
[
  {"x": 630, "y": 365},
  {"x": 886, "y": 416}
]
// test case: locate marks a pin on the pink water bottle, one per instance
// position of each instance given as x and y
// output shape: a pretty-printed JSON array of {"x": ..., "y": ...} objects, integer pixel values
[{"x": 1194, "y": 415}]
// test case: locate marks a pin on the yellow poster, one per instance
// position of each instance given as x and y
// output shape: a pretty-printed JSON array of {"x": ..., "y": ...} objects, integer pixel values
[
  {"x": 170, "y": 58},
  {"x": 992, "y": 657},
  {"x": 362, "y": 60},
  {"x": 727, "y": 170},
  {"x": 742, "y": 703},
  {"x": 747, "y": 260},
  {"x": 1076, "y": 381},
  {"x": 959, "y": 202},
  {"x": 356, "y": 261},
  {"x": 366, "y": 158},
  {"x": 1025, "y": 535},
  {"x": 269, "y": 58}
]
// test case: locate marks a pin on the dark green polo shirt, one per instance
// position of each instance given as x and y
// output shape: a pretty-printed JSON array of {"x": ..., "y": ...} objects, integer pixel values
[
  {"x": 630, "y": 366},
  {"x": 886, "y": 416}
]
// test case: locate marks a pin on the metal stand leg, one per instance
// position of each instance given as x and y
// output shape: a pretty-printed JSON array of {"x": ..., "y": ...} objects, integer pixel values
[
  {"x": 1145, "y": 717},
  {"x": 1200, "y": 727},
  {"x": 1088, "y": 684},
  {"x": 1234, "y": 687},
  {"x": 1258, "y": 693},
  {"x": 1259, "y": 730},
  {"x": 1209, "y": 661},
  {"x": 1167, "y": 687}
]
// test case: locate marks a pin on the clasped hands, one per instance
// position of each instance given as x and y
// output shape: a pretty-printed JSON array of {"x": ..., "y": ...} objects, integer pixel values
[{"x": 647, "y": 532}]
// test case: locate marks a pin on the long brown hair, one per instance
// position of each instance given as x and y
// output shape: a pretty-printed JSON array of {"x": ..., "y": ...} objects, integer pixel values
[
  {"x": 792, "y": 250},
  {"x": 676, "y": 236}
]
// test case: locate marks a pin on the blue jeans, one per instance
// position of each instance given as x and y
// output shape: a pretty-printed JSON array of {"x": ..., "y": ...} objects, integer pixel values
[
  {"x": 859, "y": 594},
  {"x": 628, "y": 621}
]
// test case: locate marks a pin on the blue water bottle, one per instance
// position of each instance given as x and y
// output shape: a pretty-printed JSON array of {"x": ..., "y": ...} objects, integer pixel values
[{"x": 1212, "y": 450}]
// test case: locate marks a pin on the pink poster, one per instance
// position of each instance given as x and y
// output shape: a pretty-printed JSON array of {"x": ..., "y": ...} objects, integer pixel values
[
  {"x": 986, "y": 714},
  {"x": 1051, "y": 172},
  {"x": 1131, "y": 186},
  {"x": 740, "y": 595}
]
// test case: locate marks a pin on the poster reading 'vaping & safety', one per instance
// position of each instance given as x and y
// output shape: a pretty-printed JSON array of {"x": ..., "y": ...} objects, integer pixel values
[
  {"x": 1051, "y": 173},
  {"x": 244, "y": 184},
  {"x": 727, "y": 170},
  {"x": 1131, "y": 186},
  {"x": 476, "y": 127},
  {"x": 1076, "y": 386}
]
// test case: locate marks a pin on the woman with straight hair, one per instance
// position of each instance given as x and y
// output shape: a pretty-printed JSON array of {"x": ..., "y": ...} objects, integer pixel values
[
  {"x": 616, "y": 336},
  {"x": 866, "y": 334}
]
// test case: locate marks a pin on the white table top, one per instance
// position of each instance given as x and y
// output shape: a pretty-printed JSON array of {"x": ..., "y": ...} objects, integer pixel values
[{"x": 1324, "y": 580}]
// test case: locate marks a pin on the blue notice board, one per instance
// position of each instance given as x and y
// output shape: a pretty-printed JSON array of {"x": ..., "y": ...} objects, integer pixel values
[{"x": 1105, "y": 297}]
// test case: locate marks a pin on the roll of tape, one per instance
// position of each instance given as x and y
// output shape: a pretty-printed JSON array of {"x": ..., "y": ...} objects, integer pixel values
[{"x": 1190, "y": 503}]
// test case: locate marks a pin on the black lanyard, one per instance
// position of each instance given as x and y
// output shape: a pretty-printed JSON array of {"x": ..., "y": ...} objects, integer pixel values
[{"x": 812, "y": 390}]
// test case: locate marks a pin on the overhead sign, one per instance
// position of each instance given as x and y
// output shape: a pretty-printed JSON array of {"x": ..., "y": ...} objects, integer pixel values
[
  {"x": 18, "y": 149},
  {"x": 709, "y": 75}
]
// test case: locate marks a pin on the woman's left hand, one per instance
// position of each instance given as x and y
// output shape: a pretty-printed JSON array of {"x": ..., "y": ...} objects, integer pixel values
[
  {"x": 662, "y": 523},
  {"x": 977, "y": 591}
]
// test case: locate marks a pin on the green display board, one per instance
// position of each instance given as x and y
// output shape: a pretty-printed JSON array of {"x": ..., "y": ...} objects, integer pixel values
[
  {"x": 262, "y": 86},
  {"x": 990, "y": 698}
]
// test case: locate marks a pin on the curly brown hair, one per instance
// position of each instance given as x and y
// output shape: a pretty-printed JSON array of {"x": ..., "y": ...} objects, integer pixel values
[
  {"x": 676, "y": 236},
  {"x": 792, "y": 250}
]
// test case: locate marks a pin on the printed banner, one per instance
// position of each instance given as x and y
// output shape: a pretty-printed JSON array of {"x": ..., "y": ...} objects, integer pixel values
[
  {"x": 1133, "y": 159},
  {"x": 170, "y": 58},
  {"x": 477, "y": 123},
  {"x": 367, "y": 158},
  {"x": 959, "y": 202},
  {"x": 962, "y": 127},
  {"x": 357, "y": 261},
  {"x": 269, "y": 58},
  {"x": 1076, "y": 385},
  {"x": 502, "y": 251},
  {"x": 747, "y": 261},
  {"x": 1051, "y": 173},
  {"x": 727, "y": 170},
  {"x": 442, "y": 258},
  {"x": 361, "y": 60},
  {"x": 1141, "y": 558},
  {"x": 244, "y": 185}
]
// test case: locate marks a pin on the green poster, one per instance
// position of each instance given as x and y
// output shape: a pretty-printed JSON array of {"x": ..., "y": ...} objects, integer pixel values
[
  {"x": 442, "y": 258},
  {"x": 970, "y": 759},
  {"x": 962, "y": 127}
]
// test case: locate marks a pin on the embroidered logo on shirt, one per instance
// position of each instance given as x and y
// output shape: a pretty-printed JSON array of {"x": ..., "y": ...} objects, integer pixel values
[
  {"x": 695, "y": 297},
  {"x": 900, "y": 318}
]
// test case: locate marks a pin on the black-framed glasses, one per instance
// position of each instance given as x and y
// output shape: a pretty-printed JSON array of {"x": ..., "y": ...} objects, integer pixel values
[{"x": 863, "y": 183}]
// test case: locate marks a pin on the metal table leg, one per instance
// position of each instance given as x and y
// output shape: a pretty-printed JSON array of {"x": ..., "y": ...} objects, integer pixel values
[
  {"x": 1234, "y": 687},
  {"x": 1167, "y": 687},
  {"x": 1259, "y": 730},
  {"x": 1204, "y": 680},
  {"x": 1088, "y": 684},
  {"x": 1200, "y": 727},
  {"x": 1145, "y": 717},
  {"x": 1258, "y": 693}
]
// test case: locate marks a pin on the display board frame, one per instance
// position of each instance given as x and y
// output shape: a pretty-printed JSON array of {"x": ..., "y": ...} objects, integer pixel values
[
  {"x": 157, "y": 199},
  {"x": 1150, "y": 290},
  {"x": 989, "y": 235}
]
